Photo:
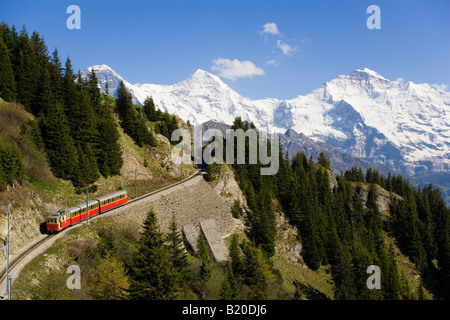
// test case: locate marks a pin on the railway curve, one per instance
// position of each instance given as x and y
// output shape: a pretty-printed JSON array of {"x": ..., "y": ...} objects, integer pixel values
[{"x": 38, "y": 246}]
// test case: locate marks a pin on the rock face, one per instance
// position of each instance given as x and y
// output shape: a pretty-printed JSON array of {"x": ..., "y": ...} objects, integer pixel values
[
  {"x": 192, "y": 203},
  {"x": 215, "y": 242},
  {"x": 191, "y": 233},
  {"x": 28, "y": 210},
  {"x": 400, "y": 125}
]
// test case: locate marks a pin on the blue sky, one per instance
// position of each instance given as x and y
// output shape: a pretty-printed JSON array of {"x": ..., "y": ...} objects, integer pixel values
[{"x": 260, "y": 48}]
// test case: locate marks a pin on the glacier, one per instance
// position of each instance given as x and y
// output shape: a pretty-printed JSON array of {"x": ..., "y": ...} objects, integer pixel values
[{"x": 399, "y": 125}]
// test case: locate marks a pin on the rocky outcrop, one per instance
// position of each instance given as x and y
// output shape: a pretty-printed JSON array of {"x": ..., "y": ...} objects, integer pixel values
[
  {"x": 191, "y": 203},
  {"x": 215, "y": 242}
]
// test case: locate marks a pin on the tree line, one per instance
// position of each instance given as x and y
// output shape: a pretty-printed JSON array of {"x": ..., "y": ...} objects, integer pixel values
[
  {"x": 420, "y": 223},
  {"x": 76, "y": 123},
  {"x": 341, "y": 228}
]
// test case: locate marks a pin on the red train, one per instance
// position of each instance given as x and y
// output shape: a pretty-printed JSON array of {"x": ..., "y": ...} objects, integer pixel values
[{"x": 63, "y": 218}]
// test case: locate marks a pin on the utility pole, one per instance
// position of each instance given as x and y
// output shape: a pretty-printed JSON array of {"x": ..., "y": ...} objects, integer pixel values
[
  {"x": 8, "y": 287},
  {"x": 9, "y": 283},
  {"x": 181, "y": 158},
  {"x": 9, "y": 278},
  {"x": 87, "y": 204},
  {"x": 135, "y": 183}
]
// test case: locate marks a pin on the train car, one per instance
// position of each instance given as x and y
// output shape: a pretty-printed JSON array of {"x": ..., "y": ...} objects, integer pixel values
[
  {"x": 112, "y": 200},
  {"x": 79, "y": 212},
  {"x": 63, "y": 218},
  {"x": 58, "y": 221}
]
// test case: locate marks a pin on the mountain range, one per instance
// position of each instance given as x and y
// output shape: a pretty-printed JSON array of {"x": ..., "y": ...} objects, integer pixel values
[{"x": 402, "y": 126}]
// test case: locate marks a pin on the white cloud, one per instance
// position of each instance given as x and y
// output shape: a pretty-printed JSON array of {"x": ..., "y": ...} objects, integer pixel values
[
  {"x": 272, "y": 62},
  {"x": 270, "y": 28},
  {"x": 286, "y": 48},
  {"x": 233, "y": 69}
]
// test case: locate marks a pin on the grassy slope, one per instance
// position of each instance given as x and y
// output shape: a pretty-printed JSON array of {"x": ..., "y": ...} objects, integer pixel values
[
  {"x": 36, "y": 199},
  {"x": 155, "y": 174},
  {"x": 315, "y": 284}
]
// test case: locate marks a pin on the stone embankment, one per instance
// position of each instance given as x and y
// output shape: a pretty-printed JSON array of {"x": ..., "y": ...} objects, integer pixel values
[{"x": 196, "y": 205}]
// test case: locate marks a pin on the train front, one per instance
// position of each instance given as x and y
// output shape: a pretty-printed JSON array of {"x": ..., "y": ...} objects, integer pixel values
[{"x": 53, "y": 223}]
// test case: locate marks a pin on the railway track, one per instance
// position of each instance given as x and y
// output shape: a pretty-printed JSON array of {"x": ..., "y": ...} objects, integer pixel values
[
  {"x": 13, "y": 262},
  {"x": 22, "y": 255}
]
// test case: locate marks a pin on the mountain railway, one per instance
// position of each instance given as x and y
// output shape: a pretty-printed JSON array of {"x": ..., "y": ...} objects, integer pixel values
[{"x": 96, "y": 213}]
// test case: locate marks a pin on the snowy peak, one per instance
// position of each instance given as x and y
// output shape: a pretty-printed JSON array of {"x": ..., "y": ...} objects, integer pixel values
[
  {"x": 366, "y": 72},
  {"x": 105, "y": 75},
  {"x": 203, "y": 78},
  {"x": 201, "y": 81},
  {"x": 397, "y": 124},
  {"x": 202, "y": 75},
  {"x": 103, "y": 71}
]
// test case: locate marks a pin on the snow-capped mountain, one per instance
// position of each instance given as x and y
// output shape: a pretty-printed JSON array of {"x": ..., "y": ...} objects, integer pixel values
[{"x": 404, "y": 126}]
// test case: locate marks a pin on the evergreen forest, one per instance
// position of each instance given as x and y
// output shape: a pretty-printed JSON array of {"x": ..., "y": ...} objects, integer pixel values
[
  {"x": 338, "y": 217},
  {"x": 73, "y": 123}
]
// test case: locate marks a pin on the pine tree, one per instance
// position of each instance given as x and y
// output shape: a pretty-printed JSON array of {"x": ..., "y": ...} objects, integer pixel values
[
  {"x": 56, "y": 77},
  {"x": 235, "y": 256},
  {"x": 87, "y": 167},
  {"x": 94, "y": 92},
  {"x": 323, "y": 161},
  {"x": 142, "y": 134},
  {"x": 152, "y": 274},
  {"x": 390, "y": 280},
  {"x": 361, "y": 260},
  {"x": 108, "y": 280},
  {"x": 27, "y": 71},
  {"x": 107, "y": 149},
  {"x": 229, "y": 289},
  {"x": 70, "y": 94},
  {"x": 11, "y": 166},
  {"x": 124, "y": 106},
  {"x": 176, "y": 247},
  {"x": 172, "y": 126},
  {"x": 343, "y": 275},
  {"x": 203, "y": 254},
  {"x": 132, "y": 124},
  {"x": 82, "y": 118},
  {"x": 263, "y": 224},
  {"x": 149, "y": 109},
  {"x": 45, "y": 96},
  {"x": 7, "y": 80},
  {"x": 109, "y": 152},
  {"x": 255, "y": 268},
  {"x": 59, "y": 145}
]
